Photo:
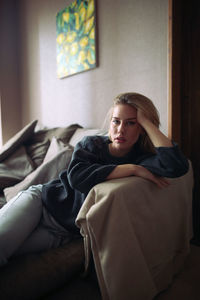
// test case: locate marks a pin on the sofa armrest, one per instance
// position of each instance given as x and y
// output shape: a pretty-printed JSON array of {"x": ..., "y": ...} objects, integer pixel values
[{"x": 136, "y": 230}]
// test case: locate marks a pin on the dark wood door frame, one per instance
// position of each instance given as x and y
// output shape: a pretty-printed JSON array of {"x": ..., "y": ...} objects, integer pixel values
[
  {"x": 174, "y": 59},
  {"x": 184, "y": 89}
]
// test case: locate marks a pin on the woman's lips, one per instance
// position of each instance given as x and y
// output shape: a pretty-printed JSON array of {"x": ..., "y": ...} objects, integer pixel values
[{"x": 120, "y": 139}]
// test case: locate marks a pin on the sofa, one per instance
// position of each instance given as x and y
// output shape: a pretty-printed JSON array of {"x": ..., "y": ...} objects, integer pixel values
[{"x": 133, "y": 233}]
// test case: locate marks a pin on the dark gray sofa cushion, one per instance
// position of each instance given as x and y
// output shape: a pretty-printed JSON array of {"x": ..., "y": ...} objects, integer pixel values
[{"x": 33, "y": 276}]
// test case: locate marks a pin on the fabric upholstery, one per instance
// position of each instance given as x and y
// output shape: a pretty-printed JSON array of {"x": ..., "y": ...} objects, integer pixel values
[
  {"x": 15, "y": 168},
  {"x": 31, "y": 276},
  {"x": 37, "y": 152},
  {"x": 47, "y": 171},
  {"x": 19, "y": 138},
  {"x": 139, "y": 234},
  {"x": 81, "y": 132},
  {"x": 62, "y": 133},
  {"x": 55, "y": 147}
]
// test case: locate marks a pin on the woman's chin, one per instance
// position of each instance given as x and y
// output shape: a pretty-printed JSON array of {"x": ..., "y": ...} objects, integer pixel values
[{"x": 119, "y": 149}]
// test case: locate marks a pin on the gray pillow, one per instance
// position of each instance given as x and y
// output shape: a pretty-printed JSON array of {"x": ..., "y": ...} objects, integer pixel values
[
  {"x": 62, "y": 133},
  {"x": 37, "y": 152},
  {"x": 20, "y": 137},
  {"x": 47, "y": 171},
  {"x": 15, "y": 168}
]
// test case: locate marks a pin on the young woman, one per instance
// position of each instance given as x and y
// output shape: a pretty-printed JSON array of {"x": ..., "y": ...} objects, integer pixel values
[{"x": 43, "y": 216}]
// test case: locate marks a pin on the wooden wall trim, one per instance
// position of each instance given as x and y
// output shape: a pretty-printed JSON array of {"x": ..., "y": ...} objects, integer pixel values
[
  {"x": 170, "y": 69},
  {"x": 174, "y": 70}
]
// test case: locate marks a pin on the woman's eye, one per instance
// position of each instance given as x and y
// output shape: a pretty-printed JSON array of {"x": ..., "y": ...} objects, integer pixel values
[
  {"x": 131, "y": 123},
  {"x": 115, "y": 121}
]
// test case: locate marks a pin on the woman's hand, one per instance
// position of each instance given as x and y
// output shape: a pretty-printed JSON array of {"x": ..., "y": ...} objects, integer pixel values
[
  {"x": 156, "y": 136},
  {"x": 140, "y": 171},
  {"x": 141, "y": 117}
]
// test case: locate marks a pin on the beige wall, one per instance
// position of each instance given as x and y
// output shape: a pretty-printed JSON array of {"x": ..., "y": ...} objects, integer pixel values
[{"x": 132, "y": 47}]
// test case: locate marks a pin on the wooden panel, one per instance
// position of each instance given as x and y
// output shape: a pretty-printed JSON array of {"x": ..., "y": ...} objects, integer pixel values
[
  {"x": 184, "y": 104},
  {"x": 174, "y": 58}
]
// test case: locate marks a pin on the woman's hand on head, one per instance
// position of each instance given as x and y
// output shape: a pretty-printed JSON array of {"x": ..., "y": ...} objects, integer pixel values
[
  {"x": 140, "y": 171},
  {"x": 141, "y": 117},
  {"x": 157, "y": 138}
]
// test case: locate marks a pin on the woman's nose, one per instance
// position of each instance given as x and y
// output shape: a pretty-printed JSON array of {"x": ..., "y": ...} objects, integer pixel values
[{"x": 121, "y": 128}]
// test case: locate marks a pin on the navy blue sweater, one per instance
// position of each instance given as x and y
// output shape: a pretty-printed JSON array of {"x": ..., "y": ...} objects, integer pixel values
[{"x": 91, "y": 163}]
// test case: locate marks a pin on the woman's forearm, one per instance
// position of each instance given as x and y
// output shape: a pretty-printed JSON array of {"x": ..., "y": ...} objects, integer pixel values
[
  {"x": 127, "y": 170},
  {"x": 121, "y": 171}
]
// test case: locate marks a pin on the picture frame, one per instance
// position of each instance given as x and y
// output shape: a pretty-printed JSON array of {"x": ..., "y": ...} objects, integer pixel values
[{"x": 76, "y": 38}]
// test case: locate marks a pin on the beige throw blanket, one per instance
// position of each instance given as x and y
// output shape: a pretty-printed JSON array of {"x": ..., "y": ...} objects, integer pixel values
[{"x": 138, "y": 234}]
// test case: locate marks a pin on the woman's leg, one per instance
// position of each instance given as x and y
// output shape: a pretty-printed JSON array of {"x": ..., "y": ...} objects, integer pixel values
[
  {"x": 18, "y": 218},
  {"x": 48, "y": 234}
]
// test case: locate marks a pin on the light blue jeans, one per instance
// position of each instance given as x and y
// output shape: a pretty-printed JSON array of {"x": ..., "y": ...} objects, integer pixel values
[{"x": 26, "y": 226}]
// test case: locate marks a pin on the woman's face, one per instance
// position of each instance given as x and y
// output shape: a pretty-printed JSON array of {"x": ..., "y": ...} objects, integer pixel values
[{"x": 124, "y": 130}]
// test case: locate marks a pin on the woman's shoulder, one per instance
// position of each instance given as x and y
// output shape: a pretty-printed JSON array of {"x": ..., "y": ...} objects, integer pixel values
[
  {"x": 94, "y": 141},
  {"x": 91, "y": 145}
]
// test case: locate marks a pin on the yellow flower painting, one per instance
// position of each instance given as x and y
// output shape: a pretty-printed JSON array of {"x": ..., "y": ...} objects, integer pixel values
[{"x": 75, "y": 38}]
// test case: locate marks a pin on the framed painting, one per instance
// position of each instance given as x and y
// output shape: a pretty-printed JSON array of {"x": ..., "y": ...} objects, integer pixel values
[{"x": 76, "y": 38}]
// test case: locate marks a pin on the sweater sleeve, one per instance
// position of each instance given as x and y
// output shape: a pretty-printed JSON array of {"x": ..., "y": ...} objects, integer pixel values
[
  {"x": 167, "y": 162},
  {"x": 86, "y": 168}
]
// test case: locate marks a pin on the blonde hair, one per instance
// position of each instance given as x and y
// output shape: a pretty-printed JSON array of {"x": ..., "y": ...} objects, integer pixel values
[{"x": 143, "y": 103}]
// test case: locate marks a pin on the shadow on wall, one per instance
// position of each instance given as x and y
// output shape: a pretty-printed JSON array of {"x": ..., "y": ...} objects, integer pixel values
[{"x": 29, "y": 58}]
